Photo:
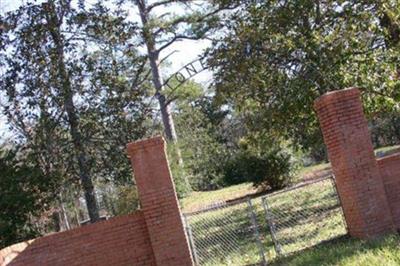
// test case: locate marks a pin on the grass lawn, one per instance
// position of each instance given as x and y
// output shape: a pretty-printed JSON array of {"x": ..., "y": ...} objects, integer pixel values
[
  {"x": 313, "y": 168},
  {"x": 198, "y": 200},
  {"x": 302, "y": 217},
  {"x": 348, "y": 252}
]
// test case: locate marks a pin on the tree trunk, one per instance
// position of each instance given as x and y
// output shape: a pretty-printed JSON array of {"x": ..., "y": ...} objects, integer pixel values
[
  {"x": 86, "y": 181},
  {"x": 54, "y": 24},
  {"x": 153, "y": 55}
]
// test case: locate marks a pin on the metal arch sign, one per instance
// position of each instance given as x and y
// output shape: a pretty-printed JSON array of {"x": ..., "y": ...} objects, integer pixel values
[{"x": 185, "y": 73}]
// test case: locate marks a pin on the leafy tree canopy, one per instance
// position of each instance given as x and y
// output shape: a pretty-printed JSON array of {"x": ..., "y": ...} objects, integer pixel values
[
  {"x": 279, "y": 56},
  {"x": 75, "y": 89}
]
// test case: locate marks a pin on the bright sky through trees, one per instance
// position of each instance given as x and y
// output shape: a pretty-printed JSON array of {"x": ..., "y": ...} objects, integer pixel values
[{"x": 185, "y": 52}]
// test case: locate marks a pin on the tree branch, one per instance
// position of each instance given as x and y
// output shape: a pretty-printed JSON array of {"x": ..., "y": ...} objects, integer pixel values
[
  {"x": 189, "y": 19},
  {"x": 161, "y": 3},
  {"x": 177, "y": 38}
]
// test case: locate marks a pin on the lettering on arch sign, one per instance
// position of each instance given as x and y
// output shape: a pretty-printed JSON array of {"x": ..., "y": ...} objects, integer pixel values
[{"x": 185, "y": 73}]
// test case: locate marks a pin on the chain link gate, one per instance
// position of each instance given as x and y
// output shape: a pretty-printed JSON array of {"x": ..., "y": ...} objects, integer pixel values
[
  {"x": 304, "y": 216},
  {"x": 255, "y": 231},
  {"x": 225, "y": 235}
]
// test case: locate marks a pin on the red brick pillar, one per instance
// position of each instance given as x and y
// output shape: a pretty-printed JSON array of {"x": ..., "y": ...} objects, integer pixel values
[
  {"x": 159, "y": 202},
  {"x": 351, "y": 154}
]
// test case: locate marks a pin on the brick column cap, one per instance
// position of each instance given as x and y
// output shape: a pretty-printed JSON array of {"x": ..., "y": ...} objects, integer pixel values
[
  {"x": 334, "y": 96},
  {"x": 145, "y": 143}
]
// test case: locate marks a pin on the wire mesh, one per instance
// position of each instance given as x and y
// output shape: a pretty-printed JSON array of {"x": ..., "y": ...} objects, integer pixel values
[
  {"x": 305, "y": 216},
  {"x": 224, "y": 235},
  {"x": 269, "y": 226}
]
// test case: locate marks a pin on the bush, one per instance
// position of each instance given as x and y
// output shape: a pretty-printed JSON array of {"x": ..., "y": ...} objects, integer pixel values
[
  {"x": 25, "y": 195},
  {"x": 270, "y": 169},
  {"x": 203, "y": 161},
  {"x": 178, "y": 171}
]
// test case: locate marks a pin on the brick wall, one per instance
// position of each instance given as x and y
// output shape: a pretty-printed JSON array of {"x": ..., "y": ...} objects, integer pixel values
[
  {"x": 122, "y": 240},
  {"x": 153, "y": 235},
  {"x": 159, "y": 202},
  {"x": 360, "y": 186},
  {"x": 390, "y": 172}
]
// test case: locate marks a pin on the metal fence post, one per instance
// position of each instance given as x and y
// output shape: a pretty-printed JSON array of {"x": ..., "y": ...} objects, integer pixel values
[
  {"x": 271, "y": 225},
  {"x": 253, "y": 219},
  {"x": 189, "y": 233}
]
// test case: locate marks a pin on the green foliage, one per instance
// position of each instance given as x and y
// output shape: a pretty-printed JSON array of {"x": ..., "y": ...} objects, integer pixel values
[
  {"x": 25, "y": 193},
  {"x": 74, "y": 89},
  {"x": 127, "y": 199},
  {"x": 178, "y": 172},
  {"x": 266, "y": 167},
  {"x": 216, "y": 155},
  {"x": 385, "y": 129},
  {"x": 214, "y": 151},
  {"x": 203, "y": 149},
  {"x": 205, "y": 158},
  {"x": 277, "y": 58},
  {"x": 118, "y": 199}
]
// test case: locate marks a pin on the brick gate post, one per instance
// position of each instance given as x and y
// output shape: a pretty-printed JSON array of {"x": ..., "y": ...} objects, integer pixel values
[
  {"x": 159, "y": 202},
  {"x": 350, "y": 150}
]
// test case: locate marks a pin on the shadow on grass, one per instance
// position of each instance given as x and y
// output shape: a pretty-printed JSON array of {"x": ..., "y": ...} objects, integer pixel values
[
  {"x": 345, "y": 250},
  {"x": 221, "y": 235},
  {"x": 228, "y": 233},
  {"x": 303, "y": 217}
]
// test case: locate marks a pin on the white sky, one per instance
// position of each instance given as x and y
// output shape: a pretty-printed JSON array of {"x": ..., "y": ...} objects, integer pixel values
[{"x": 187, "y": 51}]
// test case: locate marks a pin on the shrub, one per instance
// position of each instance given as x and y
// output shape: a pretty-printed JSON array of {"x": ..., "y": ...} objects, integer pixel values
[
  {"x": 178, "y": 171},
  {"x": 25, "y": 195},
  {"x": 271, "y": 169}
]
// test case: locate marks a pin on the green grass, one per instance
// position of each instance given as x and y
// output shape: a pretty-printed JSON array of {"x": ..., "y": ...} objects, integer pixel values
[
  {"x": 224, "y": 237},
  {"x": 348, "y": 252},
  {"x": 307, "y": 216},
  {"x": 303, "y": 217},
  {"x": 313, "y": 168},
  {"x": 198, "y": 200}
]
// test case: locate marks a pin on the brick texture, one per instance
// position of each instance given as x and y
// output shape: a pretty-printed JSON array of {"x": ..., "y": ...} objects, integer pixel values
[
  {"x": 351, "y": 153},
  {"x": 368, "y": 188},
  {"x": 151, "y": 236},
  {"x": 390, "y": 172},
  {"x": 159, "y": 202},
  {"x": 122, "y": 240}
]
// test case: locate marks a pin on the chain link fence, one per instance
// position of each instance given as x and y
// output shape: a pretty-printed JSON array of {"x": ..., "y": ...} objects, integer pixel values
[
  {"x": 304, "y": 216},
  {"x": 224, "y": 235},
  {"x": 255, "y": 231}
]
